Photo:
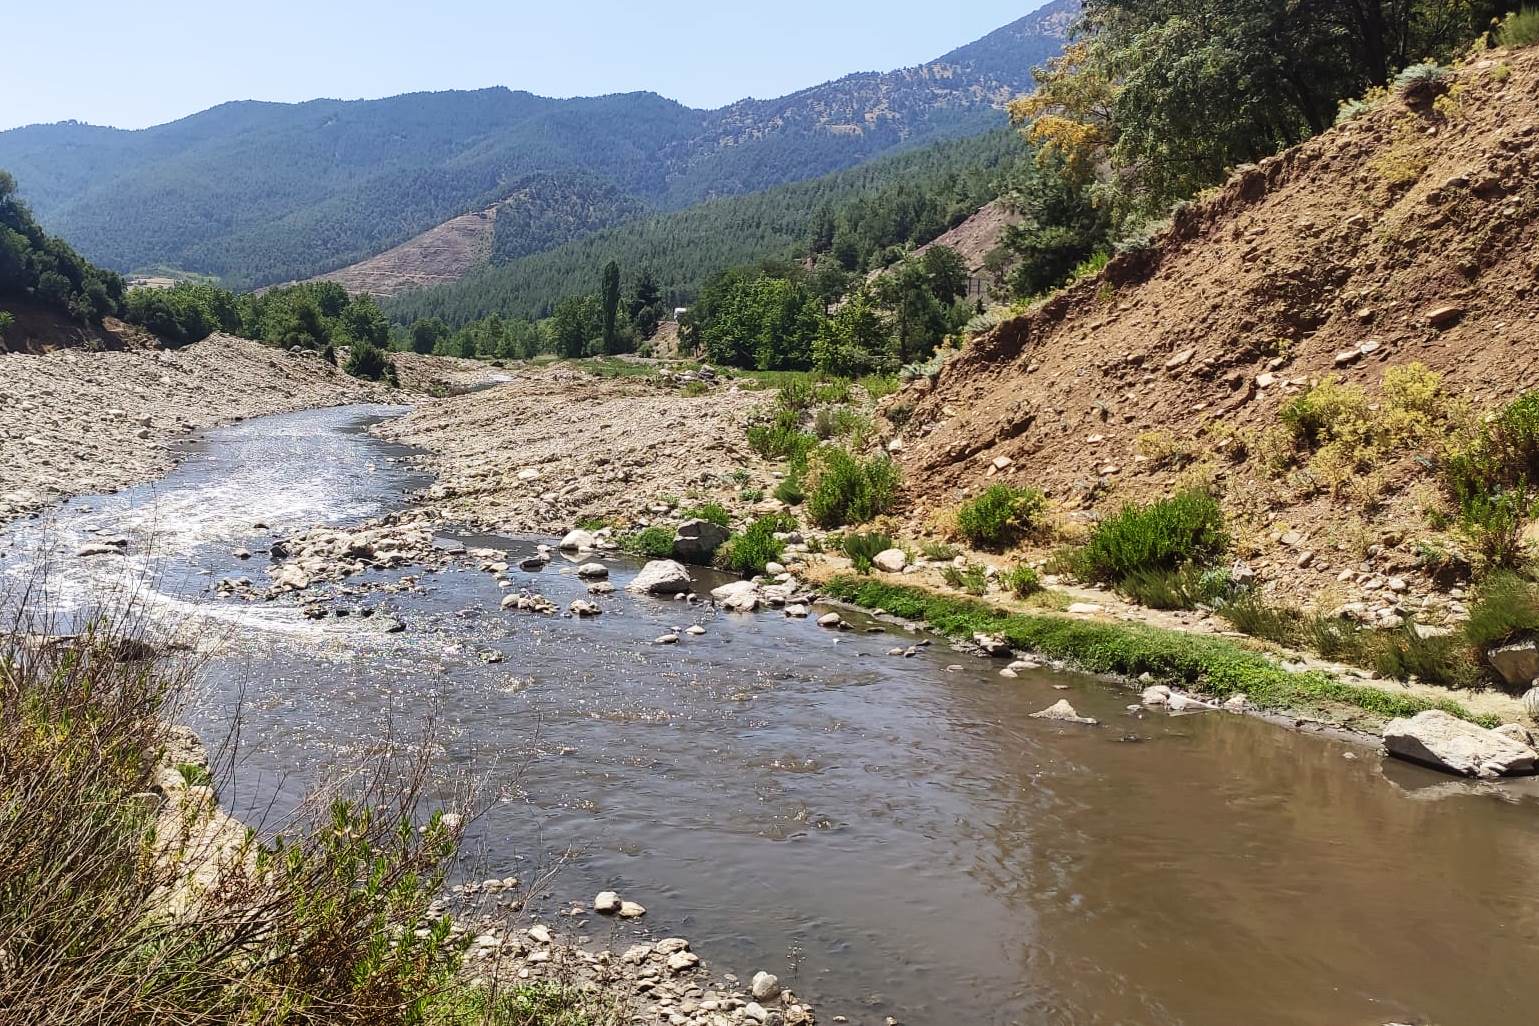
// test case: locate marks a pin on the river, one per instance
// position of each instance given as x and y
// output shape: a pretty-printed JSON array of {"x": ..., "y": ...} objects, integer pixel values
[{"x": 893, "y": 837}]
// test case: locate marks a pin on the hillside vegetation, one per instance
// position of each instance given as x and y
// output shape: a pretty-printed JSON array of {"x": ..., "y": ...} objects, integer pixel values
[
  {"x": 261, "y": 192},
  {"x": 881, "y": 206},
  {"x": 1338, "y": 343}
]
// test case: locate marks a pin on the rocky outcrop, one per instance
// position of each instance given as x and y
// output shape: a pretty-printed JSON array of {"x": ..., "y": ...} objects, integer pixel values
[
  {"x": 1442, "y": 741},
  {"x": 1062, "y": 712},
  {"x": 696, "y": 541}
]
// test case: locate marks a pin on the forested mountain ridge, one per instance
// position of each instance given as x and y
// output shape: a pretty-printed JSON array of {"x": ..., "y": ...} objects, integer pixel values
[{"x": 261, "y": 192}]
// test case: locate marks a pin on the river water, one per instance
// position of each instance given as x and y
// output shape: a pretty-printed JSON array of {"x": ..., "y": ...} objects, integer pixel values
[{"x": 893, "y": 837}]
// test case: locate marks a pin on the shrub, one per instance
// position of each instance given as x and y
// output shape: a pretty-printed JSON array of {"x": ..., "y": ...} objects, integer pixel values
[
  {"x": 844, "y": 489},
  {"x": 939, "y": 551},
  {"x": 836, "y": 421},
  {"x": 1421, "y": 83},
  {"x": 1185, "y": 587},
  {"x": 862, "y": 548},
  {"x": 1001, "y": 516},
  {"x": 796, "y": 395},
  {"x": 715, "y": 512},
  {"x": 694, "y": 389},
  {"x": 1493, "y": 525},
  {"x": 655, "y": 542},
  {"x": 782, "y": 438},
  {"x": 1504, "y": 453},
  {"x": 789, "y": 490},
  {"x": 1164, "y": 535},
  {"x": 971, "y": 579},
  {"x": 747, "y": 553},
  {"x": 369, "y": 362},
  {"x": 1021, "y": 580},
  {"x": 1435, "y": 658},
  {"x": 1506, "y": 606},
  {"x": 1519, "y": 28}
]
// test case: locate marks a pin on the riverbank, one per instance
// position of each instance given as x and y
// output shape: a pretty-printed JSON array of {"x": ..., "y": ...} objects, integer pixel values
[{"x": 75, "y": 423}]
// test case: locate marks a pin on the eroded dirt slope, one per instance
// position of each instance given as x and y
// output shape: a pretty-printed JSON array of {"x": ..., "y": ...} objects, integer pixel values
[
  {"x": 1402, "y": 236},
  {"x": 441, "y": 254}
]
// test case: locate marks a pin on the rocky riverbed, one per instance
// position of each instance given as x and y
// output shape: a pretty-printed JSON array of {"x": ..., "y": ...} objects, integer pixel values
[{"x": 557, "y": 445}]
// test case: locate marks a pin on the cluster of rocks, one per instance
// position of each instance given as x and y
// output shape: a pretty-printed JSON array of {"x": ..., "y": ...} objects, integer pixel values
[
  {"x": 330, "y": 554},
  {"x": 706, "y": 373},
  {"x": 649, "y": 981}
]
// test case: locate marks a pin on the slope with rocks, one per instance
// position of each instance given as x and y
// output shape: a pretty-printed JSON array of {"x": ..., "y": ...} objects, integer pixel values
[{"x": 1404, "y": 235}]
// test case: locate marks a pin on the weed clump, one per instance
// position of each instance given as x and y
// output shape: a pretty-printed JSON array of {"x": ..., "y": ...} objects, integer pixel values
[
  {"x": 747, "y": 553},
  {"x": 863, "y": 547},
  {"x": 1021, "y": 581},
  {"x": 1160, "y": 537},
  {"x": 844, "y": 489},
  {"x": 655, "y": 542},
  {"x": 1001, "y": 516}
]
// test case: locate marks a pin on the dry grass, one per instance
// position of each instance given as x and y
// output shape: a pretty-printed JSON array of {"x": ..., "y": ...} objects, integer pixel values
[{"x": 128, "y": 897}]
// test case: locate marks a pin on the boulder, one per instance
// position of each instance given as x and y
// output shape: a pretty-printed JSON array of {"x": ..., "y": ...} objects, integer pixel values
[
  {"x": 765, "y": 986},
  {"x": 831, "y": 620},
  {"x": 737, "y": 597},
  {"x": 593, "y": 571},
  {"x": 1186, "y": 703},
  {"x": 1158, "y": 694},
  {"x": 1531, "y": 703},
  {"x": 607, "y": 902},
  {"x": 1063, "y": 712},
  {"x": 534, "y": 564},
  {"x": 578, "y": 541},
  {"x": 890, "y": 561},
  {"x": 1083, "y": 609},
  {"x": 661, "y": 577},
  {"x": 632, "y": 910},
  {"x": 1518, "y": 663},
  {"x": 583, "y": 608},
  {"x": 696, "y": 541},
  {"x": 1437, "y": 739}
]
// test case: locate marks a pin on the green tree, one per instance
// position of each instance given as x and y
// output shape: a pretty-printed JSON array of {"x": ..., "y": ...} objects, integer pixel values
[
  {"x": 609, "y": 307},
  {"x": 574, "y": 324},
  {"x": 856, "y": 340},
  {"x": 426, "y": 334},
  {"x": 645, "y": 309},
  {"x": 362, "y": 321},
  {"x": 1061, "y": 226}
]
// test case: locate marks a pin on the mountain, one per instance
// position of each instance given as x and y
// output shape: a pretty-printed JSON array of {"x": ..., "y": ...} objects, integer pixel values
[
  {"x": 912, "y": 195},
  {"x": 262, "y": 192}
]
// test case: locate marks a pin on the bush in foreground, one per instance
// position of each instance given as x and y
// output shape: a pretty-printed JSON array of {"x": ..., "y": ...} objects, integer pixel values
[{"x": 102, "y": 921}]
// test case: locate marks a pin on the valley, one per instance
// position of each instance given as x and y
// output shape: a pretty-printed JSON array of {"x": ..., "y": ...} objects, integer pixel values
[{"x": 1049, "y": 535}]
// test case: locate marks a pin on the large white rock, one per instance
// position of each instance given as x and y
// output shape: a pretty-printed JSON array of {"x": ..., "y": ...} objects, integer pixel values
[
  {"x": 737, "y": 597},
  {"x": 661, "y": 577},
  {"x": 765, "y": 986},
  {"x": 695, "y": 541},
  {"x": 578, "y": 541},
  {"x": 593, "y": 571},
  {"x": 890, "y": 561},
  {"x": 1437, "y": 739}
]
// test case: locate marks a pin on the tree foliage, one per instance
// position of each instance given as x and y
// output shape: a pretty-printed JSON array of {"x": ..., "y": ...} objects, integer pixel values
[{"x": 44, "y": 269}]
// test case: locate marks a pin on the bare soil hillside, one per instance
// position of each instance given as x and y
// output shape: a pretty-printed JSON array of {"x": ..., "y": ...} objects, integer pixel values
[
  {"x": 38, "y": 329},
  {"x": 1405, "y": 235},
  {"x": 975, "y": 238},
  {"x": 441, "y": 254}
]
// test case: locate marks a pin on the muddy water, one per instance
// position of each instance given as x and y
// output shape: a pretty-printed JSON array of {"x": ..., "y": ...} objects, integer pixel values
[{"x": 895, "y": 837}]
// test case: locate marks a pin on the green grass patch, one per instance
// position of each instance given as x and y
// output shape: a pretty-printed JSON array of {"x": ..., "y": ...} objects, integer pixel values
[
  {"x": 1506, "y": 607},
  {"x": 1021, "y": 581},
  {"x": 972, "y": 578},
  {"x": 1001, "y": 516},
  {"x": 715, "y": 512},
  {"x": 1207, "y": 665},
  {"x": 655, "y": 542}
]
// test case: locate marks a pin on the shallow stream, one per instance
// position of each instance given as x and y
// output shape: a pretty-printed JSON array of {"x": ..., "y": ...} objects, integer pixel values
[{"x": 892, "y": 836}]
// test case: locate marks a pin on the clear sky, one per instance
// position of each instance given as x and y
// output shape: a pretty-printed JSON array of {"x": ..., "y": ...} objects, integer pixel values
[{"x": 133, "y": 63}]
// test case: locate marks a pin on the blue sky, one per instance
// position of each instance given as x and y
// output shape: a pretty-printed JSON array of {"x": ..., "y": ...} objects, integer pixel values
[{"x": 143, "y": 62}]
